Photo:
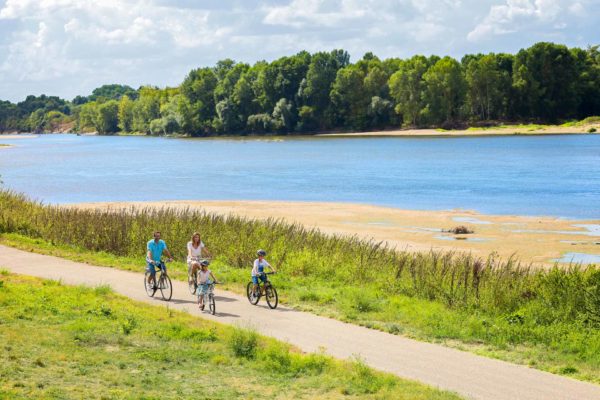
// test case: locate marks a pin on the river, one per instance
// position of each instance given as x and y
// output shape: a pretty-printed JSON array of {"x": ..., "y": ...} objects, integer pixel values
[{"x": 523, "y": 175}]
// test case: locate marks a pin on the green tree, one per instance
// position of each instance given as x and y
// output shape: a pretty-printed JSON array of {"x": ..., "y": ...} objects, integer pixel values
[
  {"x": 110, "y": 92},
  {"x": 587, "y": 80},
  {"x": 485, "y": 93},
  {"x": 407, "y": 89},
  {"x": 244, "y": 96},
  {"x": 54, "y": 120},
  {"x": 283, "y": 115},
  {"x": 227, "y": 120},
  {"x": 107, "y": 117},
  {"x": 198, "y": 87},
  {"x": 230, "y": 76},
  {"x": 314, "y": 91},
  {"x": 125, "y": 114},
  {"x": 349, "y": 98},
  {"x": 9, "y": 116},
  {"x": 37, "y": 120},
  {"x": 380, "y": 112},
  {"x": 145, "y": 109},
  {"x": 87, "y": 116},
  {"x": 445, "y": 90},
  {"x": 260, "y": 123},
  {"x": 545, "y": 79},
  {"x": 171, "y": 115}
]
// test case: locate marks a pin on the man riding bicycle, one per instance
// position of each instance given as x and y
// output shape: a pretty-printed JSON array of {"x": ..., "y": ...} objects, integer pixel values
[{"x": 156, "y": 247}]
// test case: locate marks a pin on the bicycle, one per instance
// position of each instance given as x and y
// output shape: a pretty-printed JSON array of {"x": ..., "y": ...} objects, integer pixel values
[
  {"x": 263, "y": 289},
  {"x": 209, "y": 298},
  {"x": 192, "y": 284},
  {"x": 163, "y": 284}
]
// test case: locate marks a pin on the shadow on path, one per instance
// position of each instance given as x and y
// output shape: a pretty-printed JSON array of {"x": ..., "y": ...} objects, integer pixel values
[{"x": 225, "y": 299}]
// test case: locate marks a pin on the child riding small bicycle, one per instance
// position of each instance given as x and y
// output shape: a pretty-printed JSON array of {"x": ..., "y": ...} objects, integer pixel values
[
  {"x": 205, "y": 279},
  {"x": 258, "y": 269}
]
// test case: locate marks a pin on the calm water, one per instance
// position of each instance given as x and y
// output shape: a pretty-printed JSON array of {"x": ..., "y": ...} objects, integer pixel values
[{"x": 543, "y": 175}]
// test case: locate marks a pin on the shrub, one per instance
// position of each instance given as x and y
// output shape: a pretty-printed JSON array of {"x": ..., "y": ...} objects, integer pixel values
[
  {"x": 460, "y": 230},
  {"x": 364, "y": 381},
  {"x": 243, "y": 343},
  {"x": 128, "y": 324}
]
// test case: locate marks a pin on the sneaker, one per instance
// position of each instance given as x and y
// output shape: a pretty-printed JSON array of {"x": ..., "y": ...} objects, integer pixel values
[{"x": 202, "y": 307}]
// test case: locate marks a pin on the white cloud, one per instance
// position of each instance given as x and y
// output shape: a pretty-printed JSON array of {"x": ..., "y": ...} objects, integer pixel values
[
  {"x": 68, "y": 47},
  {"x": 515, "y": 14},
  {"x": 300, "y": 13}
]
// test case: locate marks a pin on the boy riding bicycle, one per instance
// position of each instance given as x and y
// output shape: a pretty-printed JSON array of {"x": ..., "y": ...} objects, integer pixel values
[{"x": 258, "y": 269}]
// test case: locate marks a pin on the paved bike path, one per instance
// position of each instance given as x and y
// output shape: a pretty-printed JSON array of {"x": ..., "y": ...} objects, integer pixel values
[{"x": 470, "y": 375}]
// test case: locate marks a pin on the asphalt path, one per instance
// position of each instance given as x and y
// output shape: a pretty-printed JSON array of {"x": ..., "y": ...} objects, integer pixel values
[{"x": 471, "y": 376}]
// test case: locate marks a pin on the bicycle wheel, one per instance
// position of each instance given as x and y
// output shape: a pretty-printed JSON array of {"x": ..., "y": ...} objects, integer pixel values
[
  {"x": 271, "y": 295},
  {"x": 192, "y": 285},
  {"x": 149, "y": 286},
  {"x": 211, "y": 304},
  {"x": 252, "y": 297},
  {"x": 166, "y": 290}
]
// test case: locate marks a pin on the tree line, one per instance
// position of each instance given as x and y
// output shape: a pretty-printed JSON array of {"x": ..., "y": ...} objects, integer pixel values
[{"x": 324, "y": 91}]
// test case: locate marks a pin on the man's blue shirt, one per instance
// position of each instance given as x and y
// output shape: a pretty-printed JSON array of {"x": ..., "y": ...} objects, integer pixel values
[{"x": 156, "y": 249}]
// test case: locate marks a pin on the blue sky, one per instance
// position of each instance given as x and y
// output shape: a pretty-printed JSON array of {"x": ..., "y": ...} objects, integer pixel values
[{"x": 69, "y": 47}]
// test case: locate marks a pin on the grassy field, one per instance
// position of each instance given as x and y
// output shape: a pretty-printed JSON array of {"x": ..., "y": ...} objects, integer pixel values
[
  {"x": 546, "y": 319},
  {"x": 63, "y": 342}
]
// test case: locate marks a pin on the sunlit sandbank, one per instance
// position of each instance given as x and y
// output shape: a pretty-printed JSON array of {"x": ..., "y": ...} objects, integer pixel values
[{"x": 539, "y": 240}]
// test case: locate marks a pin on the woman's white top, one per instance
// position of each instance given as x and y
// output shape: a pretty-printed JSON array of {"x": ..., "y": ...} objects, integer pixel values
[{"x": 195, "y": 252}]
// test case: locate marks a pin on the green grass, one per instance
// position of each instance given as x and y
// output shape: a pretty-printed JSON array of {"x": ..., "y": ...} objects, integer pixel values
[
  {"x": 583, "y": 122},
  {"x": 64, "y": 342},
  {"x": 513, "y": 337},
  {"x": 546, "y": 319},
  {"x": 529, "y": 127}
]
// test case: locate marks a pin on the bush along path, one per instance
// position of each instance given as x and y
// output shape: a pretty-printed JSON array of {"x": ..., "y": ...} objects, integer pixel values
[{"x": 467, "y": 374}]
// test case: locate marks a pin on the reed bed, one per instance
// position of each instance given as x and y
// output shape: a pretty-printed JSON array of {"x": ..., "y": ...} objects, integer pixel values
[{"x": 457, "y": 280}]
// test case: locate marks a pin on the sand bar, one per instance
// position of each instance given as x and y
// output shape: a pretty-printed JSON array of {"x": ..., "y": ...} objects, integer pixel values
[
  {"x": 538, "y": 240},
  {"x": 499, "y": 131},
  {"x": 11, "y": 136}
]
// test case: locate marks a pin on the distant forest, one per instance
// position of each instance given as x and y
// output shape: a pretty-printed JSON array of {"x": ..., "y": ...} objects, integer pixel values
[{"x": 305, "y": 93}]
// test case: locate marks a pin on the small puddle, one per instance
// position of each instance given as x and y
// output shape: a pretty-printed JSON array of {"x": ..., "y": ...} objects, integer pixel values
[
  {"x": 588, "y": 232},
  {"x": 471, "y": 220},
  {"x": 380, "y": 223},
  {"x": 592, "y": 229},
  {"x": 579, "y": 258}
]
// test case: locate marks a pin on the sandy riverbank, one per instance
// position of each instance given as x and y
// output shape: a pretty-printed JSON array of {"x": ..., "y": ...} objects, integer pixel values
[
  {"x": 532, "y": 239},
  {"x": 12, "y": 136},
  {"x": 496, "y": 131}
]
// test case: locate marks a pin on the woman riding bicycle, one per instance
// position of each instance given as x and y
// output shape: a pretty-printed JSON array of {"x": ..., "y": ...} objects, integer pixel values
[{"x": 196, "y": 251}]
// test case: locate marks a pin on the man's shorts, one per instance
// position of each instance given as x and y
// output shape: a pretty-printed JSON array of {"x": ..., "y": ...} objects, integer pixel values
[{"x": 151, "y": 267}]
